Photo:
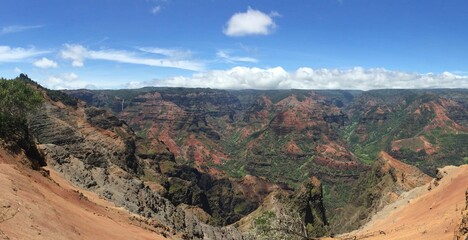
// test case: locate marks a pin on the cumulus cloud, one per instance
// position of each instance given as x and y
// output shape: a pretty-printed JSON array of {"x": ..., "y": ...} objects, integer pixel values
[
  {"x": 66, "y": 81},
  {"x": 9, "y": 54},
  {"x": 225, "y": 56},
  {"x": 45, "y": 63},
  {"x": 308, "y": 78},
  {"x": 75, "y": 53},
  {"x": 78, "y": 54},
  {"x": 251, "y": 22},
  {"x": 17, "y": 28}
]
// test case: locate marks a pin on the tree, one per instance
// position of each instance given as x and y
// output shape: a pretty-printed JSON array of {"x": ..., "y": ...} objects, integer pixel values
[{"x": 17, "y": 100}]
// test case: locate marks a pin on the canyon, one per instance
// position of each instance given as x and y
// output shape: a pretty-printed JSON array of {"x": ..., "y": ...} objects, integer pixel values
[{"x": 184, "y": 163}]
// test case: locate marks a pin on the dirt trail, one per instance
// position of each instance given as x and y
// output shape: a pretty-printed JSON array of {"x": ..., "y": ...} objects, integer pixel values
[
  {"x": 421, "y": 213},
  {"x": 36, "y": 207}
]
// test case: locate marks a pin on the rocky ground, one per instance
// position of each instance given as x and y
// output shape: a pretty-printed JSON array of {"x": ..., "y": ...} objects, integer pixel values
[
  {"x": 432, "y": 211},
  {"x": 34, "y": 205}
]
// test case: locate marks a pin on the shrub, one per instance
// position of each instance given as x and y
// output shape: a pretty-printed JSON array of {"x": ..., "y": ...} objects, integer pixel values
[{"x": 17, "y": 100}]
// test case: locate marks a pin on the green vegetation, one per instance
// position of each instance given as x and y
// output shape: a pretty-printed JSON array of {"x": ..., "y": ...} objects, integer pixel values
[
  {"x": 395, "y": 123},
  {"x": 363, "y": 123},
  {"x": 264, "y": 222},
  {"x": 233, "y": 167},
  {"x": 57, "y": 95},
  {"x": 17, "y": 99}
]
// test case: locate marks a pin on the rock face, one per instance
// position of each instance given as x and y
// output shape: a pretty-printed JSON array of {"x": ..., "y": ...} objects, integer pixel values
[
  {"x": 384, "y": 184},
  {"x": 225, "y": 200},
  {"x": 283, "y": 215},
  {"x": 96, "y": 151},
  {"x": 462, "y": 233},
  {"x": 309, "y": 203}
]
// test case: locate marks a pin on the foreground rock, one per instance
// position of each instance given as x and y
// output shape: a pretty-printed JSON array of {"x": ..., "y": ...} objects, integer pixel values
[
  {"x": 423, "y": 213},
  {"x": 462, "y": 232},
  {"x": 282, "y": 215}
]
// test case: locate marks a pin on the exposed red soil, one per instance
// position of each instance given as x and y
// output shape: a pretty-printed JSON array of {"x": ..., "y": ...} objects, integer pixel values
[
  {"x": 255, "y": 188},
  {"x": 415, "y": 144},
  {"x": 267, "y": 101},
  {"x": 332, "y": 150},
  {"x": 196, "y": 150},
  {"x": 425, "y": 213},
  {"x": 170, "y": 143},
  {"x": 330, "y": 162},
  {"x": 441, "y": 120},
  {"x": 36, "y": 207},
  {"x": 295, "y": 114},
  {"x": 293, "y": 149},
  {"x": 245, "y": 133},
  {"x": 407, "y": 176},
  {"x": 333, "y": 155}
]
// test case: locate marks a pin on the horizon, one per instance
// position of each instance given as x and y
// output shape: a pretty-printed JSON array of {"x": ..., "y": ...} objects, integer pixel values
[
  {"x": 262, "y": 45},
  {"x": 243, "y": 89}
]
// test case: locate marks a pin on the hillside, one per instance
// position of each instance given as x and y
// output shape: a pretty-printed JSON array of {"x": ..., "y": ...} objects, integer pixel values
[
  {"x": 432, "y": 211},
  {"x": 35, "y": 205}
]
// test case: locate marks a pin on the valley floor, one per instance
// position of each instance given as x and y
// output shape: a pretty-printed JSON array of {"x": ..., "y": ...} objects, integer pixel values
[
  {"x": 421, "y": 213},
  {"x": 36, "y": 207}
]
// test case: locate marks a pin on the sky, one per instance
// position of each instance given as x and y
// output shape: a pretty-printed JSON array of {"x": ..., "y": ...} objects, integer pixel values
[{"x": 263, "y": 44}]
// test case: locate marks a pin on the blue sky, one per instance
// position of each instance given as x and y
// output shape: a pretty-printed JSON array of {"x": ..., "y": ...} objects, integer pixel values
[{"x": 352, "y": 44}]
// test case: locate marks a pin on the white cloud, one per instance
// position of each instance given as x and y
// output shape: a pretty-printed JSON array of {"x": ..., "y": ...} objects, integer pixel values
[
  {"x": 70, "y": 76},
  {"x": 65, "y": 81},
  {"x": 78, "y": 54},
  {"x": 17, "y": 28},
  {"x": 275, "y": 14},
  {"x": 308, "y": 78},
  {"x": 155, "y": 10},
  {"x": 168, "y": 52},
  {"x": 225, "y": 56},
  {"x": 18, "y": 70},
  {"x": 9, "y": 54},
  {"x": 130, "y": 57},
  {"x": 45, "y": 63},
  {"x": 251, "y": 22}
]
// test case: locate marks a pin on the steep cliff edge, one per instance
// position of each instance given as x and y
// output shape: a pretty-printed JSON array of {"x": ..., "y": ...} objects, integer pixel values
[
  {"x": 285, "y": 215},
  {"x": 388, "y": 179}
]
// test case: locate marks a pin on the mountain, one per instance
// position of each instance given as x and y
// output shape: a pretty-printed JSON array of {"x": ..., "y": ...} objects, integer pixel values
[
  {"x": 286, "y": 136},
  {"x": 218, "y": 164}
]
